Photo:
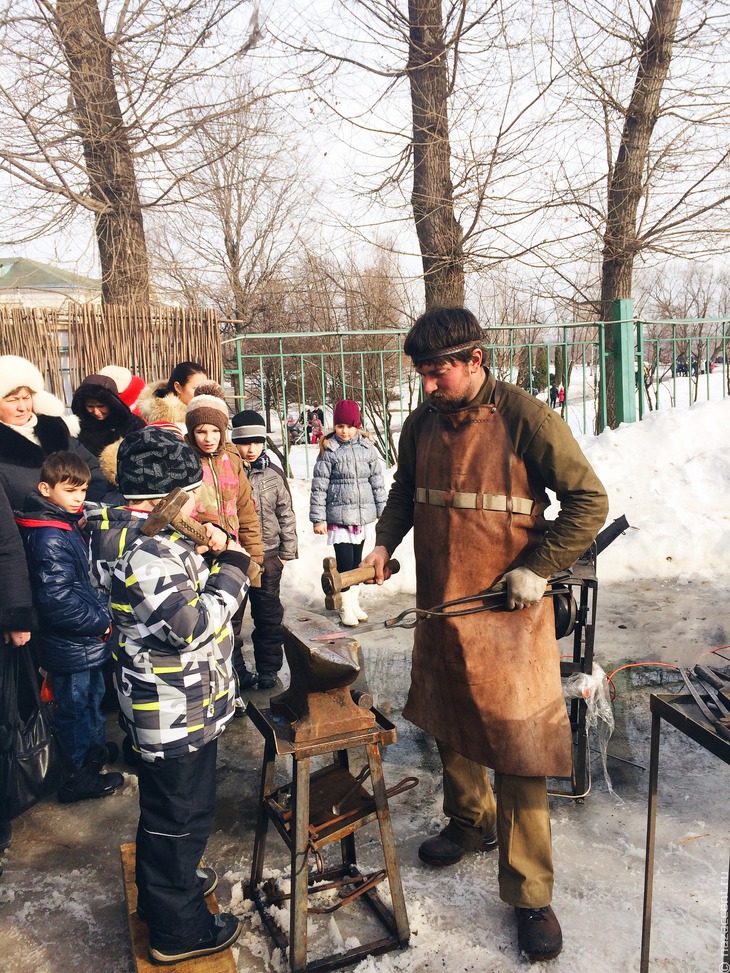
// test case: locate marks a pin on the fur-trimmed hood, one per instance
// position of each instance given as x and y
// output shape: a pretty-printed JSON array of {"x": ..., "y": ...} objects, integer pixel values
[{"x": 165, "y": 408}]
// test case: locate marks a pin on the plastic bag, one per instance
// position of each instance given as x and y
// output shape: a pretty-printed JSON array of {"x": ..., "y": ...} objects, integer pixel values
[{"x": 593, "y": 689}]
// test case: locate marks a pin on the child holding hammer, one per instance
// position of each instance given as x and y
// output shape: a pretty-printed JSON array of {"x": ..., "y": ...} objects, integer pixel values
[
  {"x": 173, "y": 676},
  {"x": 348, "y": 492}
]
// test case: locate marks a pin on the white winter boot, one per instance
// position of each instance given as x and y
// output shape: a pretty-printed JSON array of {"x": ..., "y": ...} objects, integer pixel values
[
  {"x": 360, "y": 614},
  {"x": 348, "y": 615}
]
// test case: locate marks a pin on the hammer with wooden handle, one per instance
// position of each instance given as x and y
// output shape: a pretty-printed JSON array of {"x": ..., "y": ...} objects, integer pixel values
[
  {"x": 333, "y": 582},
  {"x": 167, "y": 513}
]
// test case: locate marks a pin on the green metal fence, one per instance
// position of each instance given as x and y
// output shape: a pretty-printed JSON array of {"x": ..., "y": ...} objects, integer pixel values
[{"x": 658, "y": 364}]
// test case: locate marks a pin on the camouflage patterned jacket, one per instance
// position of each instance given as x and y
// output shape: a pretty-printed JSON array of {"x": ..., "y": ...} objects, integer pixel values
[{"x": 172, "y": 611}]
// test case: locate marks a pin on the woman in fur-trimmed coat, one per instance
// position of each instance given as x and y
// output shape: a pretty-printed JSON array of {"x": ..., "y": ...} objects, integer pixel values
[{"x": 34, "y": 424}]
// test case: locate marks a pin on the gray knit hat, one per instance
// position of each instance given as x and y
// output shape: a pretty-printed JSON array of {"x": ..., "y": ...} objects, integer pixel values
[
  {"x": 151, "y": 462},
  {"x": 248, "y": 427}
]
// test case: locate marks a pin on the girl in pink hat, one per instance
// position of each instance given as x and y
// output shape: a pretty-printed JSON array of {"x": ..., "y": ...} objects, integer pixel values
[{"x": 348, "y": 492}]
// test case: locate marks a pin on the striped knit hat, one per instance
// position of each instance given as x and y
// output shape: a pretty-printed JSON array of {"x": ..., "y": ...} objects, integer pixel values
[
  {"x": 248, "y": 427},
  {"x": 207, "y": 406}
]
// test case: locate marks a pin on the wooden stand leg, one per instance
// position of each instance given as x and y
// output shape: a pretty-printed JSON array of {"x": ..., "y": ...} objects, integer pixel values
[
  {"x": 388, "y": 841},
  {"x": 299, "y": 867}
]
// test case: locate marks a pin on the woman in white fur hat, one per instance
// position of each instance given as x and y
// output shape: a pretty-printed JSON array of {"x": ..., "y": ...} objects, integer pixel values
[{"x": 33, "y": 424}]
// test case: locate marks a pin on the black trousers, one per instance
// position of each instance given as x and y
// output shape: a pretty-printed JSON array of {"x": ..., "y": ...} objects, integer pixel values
[
  {"x": 348, "y": 557},
  {"x": 177, "y": 808},
  {"x": 267, "y": 613}
]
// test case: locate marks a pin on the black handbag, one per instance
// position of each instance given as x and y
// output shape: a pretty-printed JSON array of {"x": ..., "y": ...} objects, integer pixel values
[{"x": 33, "y": 761}]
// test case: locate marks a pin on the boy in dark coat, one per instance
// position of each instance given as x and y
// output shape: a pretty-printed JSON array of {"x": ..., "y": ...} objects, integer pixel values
[{"x": 74, "y": 622}]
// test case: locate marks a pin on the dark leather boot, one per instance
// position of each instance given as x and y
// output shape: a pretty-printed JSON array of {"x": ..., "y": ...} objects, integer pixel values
[
  {"x": 441, "y": 850},
  {"x": 538, "y": 933},
  {"x": 85, "y": 784}
]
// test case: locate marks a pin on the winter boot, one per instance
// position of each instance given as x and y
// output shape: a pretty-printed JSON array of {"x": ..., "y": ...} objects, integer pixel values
[
  {"x": 347, "y": 612},
  {"x": 244, "y": 677},
  {"x": 97, "y": 757},
  {"x": 360, "y": 614},
  {"x": 85, "y": 784}
]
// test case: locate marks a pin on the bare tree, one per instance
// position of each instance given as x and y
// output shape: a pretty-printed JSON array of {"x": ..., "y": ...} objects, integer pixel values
[
  {"x": 96, "y": 112},
  {"x": 639, "y": 86},
  {"x": 465, "y": 131},
  {"x": 248, "y": 199}
]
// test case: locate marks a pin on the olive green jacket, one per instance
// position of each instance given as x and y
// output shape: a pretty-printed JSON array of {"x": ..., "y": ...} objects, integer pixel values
[{"x": 554, "y": 461}]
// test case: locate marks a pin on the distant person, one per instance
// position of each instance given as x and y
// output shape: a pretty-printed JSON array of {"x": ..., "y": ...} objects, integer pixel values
[
  {"x": 317, "y": 429},
  {"x": 74, "y": 623},
  {"x": 17, "y": 620},
  {"x": 275, "y": 511},
  {"x": 348, "y": 492},
  {"x": 553, "y": 395},
  {"x": 164, "y": 403},
  {"x": 561, "y": 399},
  {"x": 173, "y": 608}
]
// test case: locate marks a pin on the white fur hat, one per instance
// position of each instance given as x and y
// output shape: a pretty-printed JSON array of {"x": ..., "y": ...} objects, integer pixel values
[{"x": 16, "y": 373}]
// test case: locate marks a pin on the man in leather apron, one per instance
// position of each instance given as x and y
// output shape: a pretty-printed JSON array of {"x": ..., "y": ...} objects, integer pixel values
[{"x": 475, "y": 460}]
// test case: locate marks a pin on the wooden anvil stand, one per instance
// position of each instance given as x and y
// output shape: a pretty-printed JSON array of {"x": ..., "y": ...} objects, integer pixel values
[{"x": 319, "y": 715}]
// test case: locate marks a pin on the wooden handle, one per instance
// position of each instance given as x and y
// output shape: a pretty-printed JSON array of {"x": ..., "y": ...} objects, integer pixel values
[
  {"x": 358, "y": 575},
  {"x": 190, "y": 529},
  {"x": 195, "y": 532}
]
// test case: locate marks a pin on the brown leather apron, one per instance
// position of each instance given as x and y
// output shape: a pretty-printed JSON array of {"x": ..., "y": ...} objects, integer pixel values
[{"x": 488, "y": 685}]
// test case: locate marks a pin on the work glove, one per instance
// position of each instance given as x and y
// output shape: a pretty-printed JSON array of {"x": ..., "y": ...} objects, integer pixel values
[{"x": 524, "y": 588}]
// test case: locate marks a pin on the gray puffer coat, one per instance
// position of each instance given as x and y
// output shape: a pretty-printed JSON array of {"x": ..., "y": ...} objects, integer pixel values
[
  {"x": 348, "y": 487},
  {"x": 274, "y": 508}
]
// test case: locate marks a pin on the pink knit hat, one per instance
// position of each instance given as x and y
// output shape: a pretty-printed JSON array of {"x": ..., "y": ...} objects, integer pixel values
[{"x": 347, "y": 413}]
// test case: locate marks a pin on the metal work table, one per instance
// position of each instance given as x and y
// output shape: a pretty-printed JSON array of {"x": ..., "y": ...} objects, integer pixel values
[{"x": 683, "y": 714}]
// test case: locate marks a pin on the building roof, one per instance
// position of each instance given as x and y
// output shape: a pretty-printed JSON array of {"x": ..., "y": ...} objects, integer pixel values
[{"x": 19, "y": 273}]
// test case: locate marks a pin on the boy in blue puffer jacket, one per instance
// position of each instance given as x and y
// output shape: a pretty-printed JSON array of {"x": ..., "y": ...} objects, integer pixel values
[{"x": 74, "y": 622}]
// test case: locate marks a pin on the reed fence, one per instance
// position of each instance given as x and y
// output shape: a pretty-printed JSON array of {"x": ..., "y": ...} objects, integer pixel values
[{"x": 69, "y": 343}]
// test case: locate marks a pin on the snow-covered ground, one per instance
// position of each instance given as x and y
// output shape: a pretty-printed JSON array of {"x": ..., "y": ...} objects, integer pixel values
[{"x": 664, "y": 597}]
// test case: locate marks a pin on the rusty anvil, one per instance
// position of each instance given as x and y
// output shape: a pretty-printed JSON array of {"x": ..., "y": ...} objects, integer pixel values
[
  {"x": 333, "y": 582},
  {"x": 167, "y": 512}
]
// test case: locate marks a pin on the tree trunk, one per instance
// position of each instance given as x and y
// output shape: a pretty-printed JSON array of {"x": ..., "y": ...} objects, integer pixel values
[
  {"x": 626, "y": 183},
  {"x": 439, "y": 233},
  {"x": 109, "y": 163}
]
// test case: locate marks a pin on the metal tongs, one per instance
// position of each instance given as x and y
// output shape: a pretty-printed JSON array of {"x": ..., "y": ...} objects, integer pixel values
[{"x": 487, "y": 600}]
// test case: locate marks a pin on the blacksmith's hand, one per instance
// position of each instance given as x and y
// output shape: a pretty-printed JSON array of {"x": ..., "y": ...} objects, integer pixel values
[
  {"x": 378, "y": 558},
  {"x": 524, "y": 588}
]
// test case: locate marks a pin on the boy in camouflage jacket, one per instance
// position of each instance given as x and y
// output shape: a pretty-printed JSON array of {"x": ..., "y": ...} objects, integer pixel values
[{"x": 172, "y": 608}]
